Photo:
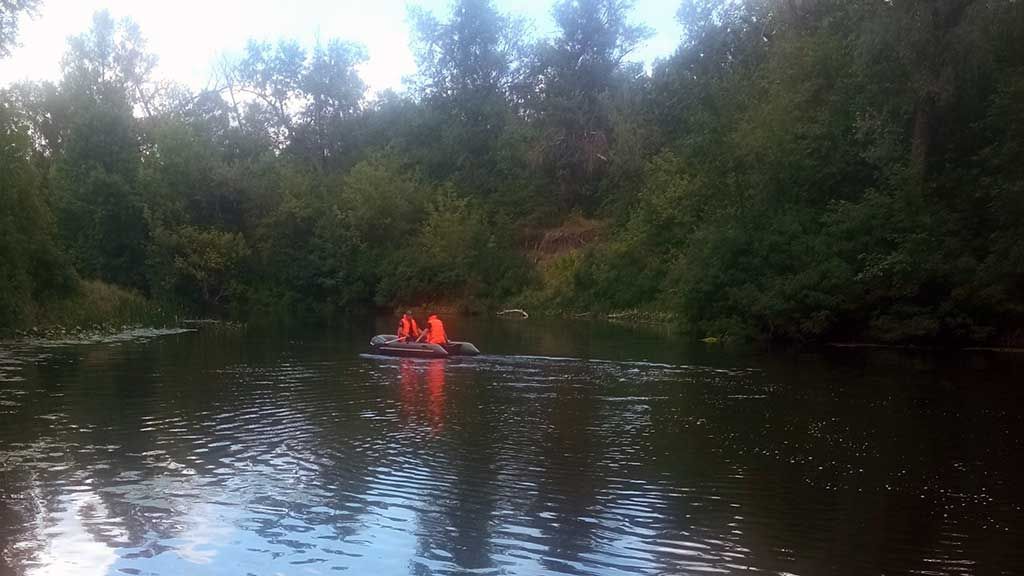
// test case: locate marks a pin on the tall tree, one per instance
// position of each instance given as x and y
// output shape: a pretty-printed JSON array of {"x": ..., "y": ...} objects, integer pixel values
[
  {"x": 576, "y": 72},
  {"x": 470, "y": 67},
  {"x": 100, "y": 208},
  {"x": 295, "y": 99},
  {"x": 32, "y": 268},
  {"x": 476, "y": 54},
  {"x": 11, "y": 12},
  {"x": 271, "y": 75},
  {"x": 333, "y": 94},
  {"x": 109, "y": 63}
]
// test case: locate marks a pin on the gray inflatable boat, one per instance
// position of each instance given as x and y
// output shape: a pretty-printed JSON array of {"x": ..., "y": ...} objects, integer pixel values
[{"x": 389, "y": 345}]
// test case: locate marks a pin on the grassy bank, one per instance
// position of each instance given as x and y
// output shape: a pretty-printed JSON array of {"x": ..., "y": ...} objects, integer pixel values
[{"x": 98, "y": 306}]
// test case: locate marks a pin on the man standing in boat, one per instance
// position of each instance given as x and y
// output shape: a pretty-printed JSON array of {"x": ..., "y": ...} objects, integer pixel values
[
  {"x": 407, "y": 328},
  {"x": 434, "y": 332}
]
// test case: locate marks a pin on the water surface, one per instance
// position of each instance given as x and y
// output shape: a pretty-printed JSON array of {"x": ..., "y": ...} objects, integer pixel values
[{"x": 569, "y": 448}]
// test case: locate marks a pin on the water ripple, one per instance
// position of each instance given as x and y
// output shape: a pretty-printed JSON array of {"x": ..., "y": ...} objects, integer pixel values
[{"x": 198, "y": 456}]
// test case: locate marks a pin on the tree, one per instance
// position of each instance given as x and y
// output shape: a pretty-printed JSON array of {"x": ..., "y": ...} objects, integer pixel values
[
  {"x": 576, "y": 71},
  {"x": 297, "y": 101},
  {"x": 206, "y": 263},
  {"x": 33, "y": 271},
  {"x": 272, "y": 76},
  {"x": 470, "y": 68},
  {"x": 11, "y": 12},
  {"x": 798, "y": 169},
  {"x": 99, "y": 208},
  {"x": 476, "y": 54},
  {"x": 109, "y": 64},
  {"x": 333, "y": 92}
]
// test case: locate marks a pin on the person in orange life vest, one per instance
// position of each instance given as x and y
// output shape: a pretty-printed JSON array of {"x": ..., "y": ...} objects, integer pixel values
[
  {"x": 434, "y": 332},
  {"x": 407, "y": 327}
]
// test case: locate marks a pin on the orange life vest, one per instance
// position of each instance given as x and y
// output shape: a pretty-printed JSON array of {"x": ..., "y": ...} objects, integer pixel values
[
  {"x": 407, "y": 327},
  {"x": 435, "y": 330}
]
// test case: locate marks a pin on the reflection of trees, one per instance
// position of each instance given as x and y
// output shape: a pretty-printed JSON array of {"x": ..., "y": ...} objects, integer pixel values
[
  {"x": 815, "y": 467},
  {"x": 271, "y": 450},
  {"x": 165, "y": 427},
  {"x": 472, "y": 462},
  {"x": 570, "y": 485},
  {"x": 454, "y": 515}
]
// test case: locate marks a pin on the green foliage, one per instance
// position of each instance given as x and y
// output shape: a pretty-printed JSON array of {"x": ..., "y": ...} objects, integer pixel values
[
  {"x": 476, "y": 54},
  {"x": 98, "y": 204},
  {"x": 796, "y": 170},
  {"x": 271, "y": 81},
  {"x": 575, "y": 73},
  {"x": 96, "y": 305},
  {"x": 33, "y": 270},
  {"x": 203, "y": 263},
  {"x": 814, "y": 187},
  {"x": 290, "y": 256},
  {"x": 457, "y": 255},
  {"x": 109, "y": 65}
]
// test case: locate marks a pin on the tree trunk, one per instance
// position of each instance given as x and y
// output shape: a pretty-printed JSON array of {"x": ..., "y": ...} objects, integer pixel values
[{"x": 921, "y": 144}]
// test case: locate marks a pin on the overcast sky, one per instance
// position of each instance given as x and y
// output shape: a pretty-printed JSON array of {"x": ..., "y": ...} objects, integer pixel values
[{"x": 188, "y": 35}]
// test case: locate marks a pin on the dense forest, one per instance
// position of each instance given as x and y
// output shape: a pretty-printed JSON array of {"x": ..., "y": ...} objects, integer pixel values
[{"x": 802, "y": 170}]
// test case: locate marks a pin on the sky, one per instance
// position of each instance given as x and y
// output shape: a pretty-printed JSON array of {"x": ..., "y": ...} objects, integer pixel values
[{"x": 188, "y": 36}]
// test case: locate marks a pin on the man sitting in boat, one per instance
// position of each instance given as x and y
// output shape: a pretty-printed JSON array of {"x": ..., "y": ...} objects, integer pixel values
[
  {"x": 434, "y": 332},
  {"x": 407, "y": 328}
]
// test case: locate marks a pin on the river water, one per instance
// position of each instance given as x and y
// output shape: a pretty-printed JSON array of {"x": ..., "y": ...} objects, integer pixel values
[{"x": 568, "y": 448}]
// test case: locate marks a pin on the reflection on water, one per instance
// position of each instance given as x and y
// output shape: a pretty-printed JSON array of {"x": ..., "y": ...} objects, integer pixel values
[
  {"x": 70, "y": 547},
  {"x": 591, "y": 453},
  {"x": 421, "y": 392}
]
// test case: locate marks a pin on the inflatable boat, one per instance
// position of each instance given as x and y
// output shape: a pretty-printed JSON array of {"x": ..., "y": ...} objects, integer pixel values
[{"x": 389, "y": 345}]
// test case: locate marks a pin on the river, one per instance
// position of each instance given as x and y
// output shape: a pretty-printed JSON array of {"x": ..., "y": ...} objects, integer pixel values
[{"x": 567, "y": 448}]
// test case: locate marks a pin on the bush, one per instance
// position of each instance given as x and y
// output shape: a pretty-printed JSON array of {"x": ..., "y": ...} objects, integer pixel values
[
  {"x": 97, "y": 303},
  {"x": 459, "y": 256},
  {"x": 33, "y": 271}
]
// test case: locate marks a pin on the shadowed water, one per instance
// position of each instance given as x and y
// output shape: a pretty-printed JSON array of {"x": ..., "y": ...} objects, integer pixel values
[{"x": 568, "y": 448}]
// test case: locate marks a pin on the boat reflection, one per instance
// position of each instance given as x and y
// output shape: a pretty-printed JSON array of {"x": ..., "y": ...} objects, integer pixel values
[{"x": 422, "y": 393}]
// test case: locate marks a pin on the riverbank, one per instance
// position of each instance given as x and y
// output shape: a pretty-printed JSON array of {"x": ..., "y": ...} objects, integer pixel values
[
  {"x": 919, "y": 348},
  {"x": 94, "y": 309},
  {"x": 98, "y": 310},
  {"x": 677, "y": 324}
]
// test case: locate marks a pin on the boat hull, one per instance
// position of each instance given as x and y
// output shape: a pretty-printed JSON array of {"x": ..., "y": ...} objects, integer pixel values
[{"x": 388, "y": 345}]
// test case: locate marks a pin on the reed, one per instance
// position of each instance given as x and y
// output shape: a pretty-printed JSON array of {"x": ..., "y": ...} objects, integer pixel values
[{"x": 98, "y": 305}]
